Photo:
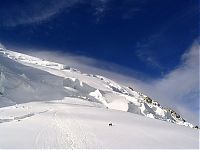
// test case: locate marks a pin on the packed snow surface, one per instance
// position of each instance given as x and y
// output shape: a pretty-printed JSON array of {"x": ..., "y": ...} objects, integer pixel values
[{"x": 44, "y": 104}]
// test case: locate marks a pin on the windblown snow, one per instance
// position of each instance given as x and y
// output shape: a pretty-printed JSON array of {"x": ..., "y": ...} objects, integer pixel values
[{"x": 44, "y": 104}]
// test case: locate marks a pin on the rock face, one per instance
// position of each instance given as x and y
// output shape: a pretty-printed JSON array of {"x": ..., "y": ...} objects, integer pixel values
[{"x": 25, "y": 78}]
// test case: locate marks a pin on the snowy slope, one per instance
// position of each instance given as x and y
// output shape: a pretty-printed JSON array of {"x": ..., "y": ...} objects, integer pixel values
[
  {"x": 74, "y": 123},
  {"x": 56, "y": 81},
  {"x": 45, "y": 99}
]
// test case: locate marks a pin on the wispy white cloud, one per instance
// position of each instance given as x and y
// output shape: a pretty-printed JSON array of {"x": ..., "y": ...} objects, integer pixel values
[
  {"x": 180, "y": 88},
  {"x": 28, "y": 12},
  {"x": 38, "y": 11},
  {"x": 100, "y": 6},
  {"x": 32, "y": 12},
  {"x": 146, "y": 54},
  {"x": 148, "y": 57}
]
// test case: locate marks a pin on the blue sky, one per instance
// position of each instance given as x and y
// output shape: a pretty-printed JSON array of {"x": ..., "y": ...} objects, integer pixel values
[
  {"x": 144, "y": 35},
  {"x": 147, "y": 37}
]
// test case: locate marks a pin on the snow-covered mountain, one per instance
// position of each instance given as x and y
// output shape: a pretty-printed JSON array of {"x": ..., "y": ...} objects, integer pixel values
[
  {"x": 51, "y": 80},
  {"x": 31, "y": 88}
]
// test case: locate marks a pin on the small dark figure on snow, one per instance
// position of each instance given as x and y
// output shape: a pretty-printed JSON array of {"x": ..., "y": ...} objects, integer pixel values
[{"x": 110, "y": 124}]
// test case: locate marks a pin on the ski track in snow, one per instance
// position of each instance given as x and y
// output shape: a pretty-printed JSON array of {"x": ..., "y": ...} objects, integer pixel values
[{"x": 67, "y": 130}]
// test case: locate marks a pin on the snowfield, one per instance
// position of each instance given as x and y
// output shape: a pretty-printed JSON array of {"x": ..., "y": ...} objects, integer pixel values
[
  {"x": 44, "y": 104},
  {"x": 73, "y": 123}
]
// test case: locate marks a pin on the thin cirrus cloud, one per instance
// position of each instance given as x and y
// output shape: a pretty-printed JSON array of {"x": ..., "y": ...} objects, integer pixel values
[
  {"x": 37, "y": 11},
  {"x": 100, "y": 7},
  {"x": 145, "y": 53},
  {"x": 30, "y": 12}
]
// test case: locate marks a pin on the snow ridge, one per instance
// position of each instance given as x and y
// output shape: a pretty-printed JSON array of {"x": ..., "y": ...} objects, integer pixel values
[{"x": 60, "y": 81}]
